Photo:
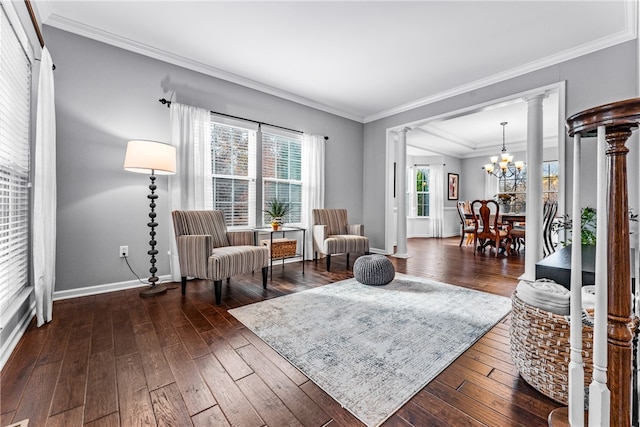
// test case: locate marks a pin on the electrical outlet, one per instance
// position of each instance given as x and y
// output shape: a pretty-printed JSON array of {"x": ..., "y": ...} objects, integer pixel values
[{"x": 124, "y": 251}]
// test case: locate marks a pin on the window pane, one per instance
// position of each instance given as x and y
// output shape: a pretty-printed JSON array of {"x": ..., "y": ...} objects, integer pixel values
[
  {"x": 230, "y": 167},
  {"x": 422, "y": 190},
  {"x": 282, "y": 173}
]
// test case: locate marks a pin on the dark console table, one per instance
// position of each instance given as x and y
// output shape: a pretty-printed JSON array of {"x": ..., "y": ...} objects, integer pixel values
[{"x": 557, "y": 266}]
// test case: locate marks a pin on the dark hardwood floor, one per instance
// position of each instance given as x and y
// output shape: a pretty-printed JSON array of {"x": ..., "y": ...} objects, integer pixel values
[{"x": 120, "y": 360}]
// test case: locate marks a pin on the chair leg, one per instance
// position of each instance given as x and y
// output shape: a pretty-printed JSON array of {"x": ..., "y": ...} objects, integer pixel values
[
  {"x": 347, "y": 260},
  {"x": 461, "y": 239},
  {"x": 475, "y": 243},
  {"x": 328, "y": 262},
  {"x": 184, "y": 284},
  {"x": 265, "y": 271},
  {"x": 217, "y": 287},
  {"x": 315, "y": 256}
]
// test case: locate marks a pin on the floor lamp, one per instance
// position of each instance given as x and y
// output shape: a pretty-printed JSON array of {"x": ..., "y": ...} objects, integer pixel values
[{"x": 153, "y": 158}]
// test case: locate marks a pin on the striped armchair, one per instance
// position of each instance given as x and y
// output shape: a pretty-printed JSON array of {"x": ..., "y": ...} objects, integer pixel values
[
  {"x": 333, "y": 235},
  {"x": 206, "y": 249}
]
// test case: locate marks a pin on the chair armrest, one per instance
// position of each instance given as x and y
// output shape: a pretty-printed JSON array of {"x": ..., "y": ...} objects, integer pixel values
[
  {"x": 193, "y": 253},
  {"x": 319, "y": 233},
  {"x": 241, "y": 238},
  {"x": 355, "y": 229}
]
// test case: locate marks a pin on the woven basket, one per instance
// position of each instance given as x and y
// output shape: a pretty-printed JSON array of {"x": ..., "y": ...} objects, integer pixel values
[
  {"x": 541, "y": 351},
  {"x": 281, "y": 248}
]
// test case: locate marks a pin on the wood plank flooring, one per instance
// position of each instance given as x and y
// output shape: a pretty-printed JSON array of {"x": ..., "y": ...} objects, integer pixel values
[{"x": 117, "y": 359}]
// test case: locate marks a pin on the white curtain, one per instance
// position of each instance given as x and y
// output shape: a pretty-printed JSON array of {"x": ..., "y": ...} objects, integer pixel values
[
  {"x": 490, "y": 186},
  {"x": 436, "y": 199},
  {"x": 312, "y": 183},
  {"x": 191, "y": 186},
  {"x": 44, "y": 194}
]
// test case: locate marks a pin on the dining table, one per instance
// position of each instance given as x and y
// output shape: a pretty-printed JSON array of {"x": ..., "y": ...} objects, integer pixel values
[
  {"x": 510, "y": 218},
  {"x": 513, "y": 218}
]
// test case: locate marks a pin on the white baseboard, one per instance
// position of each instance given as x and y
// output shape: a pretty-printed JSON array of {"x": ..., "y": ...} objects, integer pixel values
[
  {"x": 101, "y": 289},
  {"x": 378, "y": 251},
  {"x": 10, "y": 344}
]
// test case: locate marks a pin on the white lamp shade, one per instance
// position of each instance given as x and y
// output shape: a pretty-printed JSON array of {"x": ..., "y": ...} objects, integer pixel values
[{"x": 150, "y": 157}]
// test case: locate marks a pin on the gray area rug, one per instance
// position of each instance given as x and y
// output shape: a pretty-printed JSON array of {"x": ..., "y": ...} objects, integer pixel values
[{"x": 373, "y": 348}]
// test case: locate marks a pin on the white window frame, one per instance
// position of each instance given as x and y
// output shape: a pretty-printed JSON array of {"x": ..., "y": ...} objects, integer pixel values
[
  {"x": 293, "y": 138},
  {"x": 256, "y": 193},
  {"x": 15, "y": 160},
  {"x": 414, "y": 196}
]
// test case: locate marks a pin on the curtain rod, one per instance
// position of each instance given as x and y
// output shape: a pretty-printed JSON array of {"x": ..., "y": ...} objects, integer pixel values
[
  {"x": 36, "y": 27},
  {"x": 168, "y": 104},
  {"x": 32, "y": 15}
]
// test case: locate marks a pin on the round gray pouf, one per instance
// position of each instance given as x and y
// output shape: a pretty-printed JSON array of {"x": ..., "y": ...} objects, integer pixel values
[{"x": 373, "y": 270}]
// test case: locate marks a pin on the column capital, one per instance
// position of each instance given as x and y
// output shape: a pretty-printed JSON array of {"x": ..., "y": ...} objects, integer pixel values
[
  {"x": 403, "y": 130},
  {"x": 539, "y": 96}
]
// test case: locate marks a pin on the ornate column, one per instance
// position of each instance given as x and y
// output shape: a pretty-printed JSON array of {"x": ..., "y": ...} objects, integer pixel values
[
  {"x": 401, "y": 193},
  {"x": 620, "y": 334},
  {"x": 533, "y": 253}
]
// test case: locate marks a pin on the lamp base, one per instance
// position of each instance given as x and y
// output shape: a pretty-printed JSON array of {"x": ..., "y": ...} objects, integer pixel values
[{"x": 153, "y": 291}]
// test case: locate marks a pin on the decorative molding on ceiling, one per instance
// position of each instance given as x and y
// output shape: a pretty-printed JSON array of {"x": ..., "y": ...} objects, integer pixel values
[
  {"x": 627, "y": 34},
  {"x": 106, "y": 37},
  {"x": 53, "y": 20}
]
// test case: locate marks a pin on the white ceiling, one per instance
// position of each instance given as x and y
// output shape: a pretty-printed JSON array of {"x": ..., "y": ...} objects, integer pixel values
[{"x": 358, "y": 59}]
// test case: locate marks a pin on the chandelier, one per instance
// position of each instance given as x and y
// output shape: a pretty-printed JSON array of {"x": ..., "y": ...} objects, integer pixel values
[{"x": 503, "y": 166}]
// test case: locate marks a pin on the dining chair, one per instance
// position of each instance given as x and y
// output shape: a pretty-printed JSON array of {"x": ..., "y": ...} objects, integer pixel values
[
  {"x": 488, "y": 229},
  {"x": 518, "y": 234},
  {"x": 467, "y": 228},
  {"x": 548, "y": 216}
]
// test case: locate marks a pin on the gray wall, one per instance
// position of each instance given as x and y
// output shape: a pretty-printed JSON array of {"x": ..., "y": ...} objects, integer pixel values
[
  {"x": 106, "y": 96},
  {"x": 605, "y": 76}
]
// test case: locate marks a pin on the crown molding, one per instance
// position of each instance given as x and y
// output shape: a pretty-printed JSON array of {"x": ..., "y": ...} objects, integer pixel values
[
  {"x": 106, "y": 37},
  {"x": 56, "y": 21},
  {"x": 628, "y": 33}
]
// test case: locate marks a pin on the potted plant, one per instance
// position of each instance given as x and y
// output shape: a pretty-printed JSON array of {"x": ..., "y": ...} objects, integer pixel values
[
  {"x": 587, "y": 225},
  {"x": 277, "y": 210}
]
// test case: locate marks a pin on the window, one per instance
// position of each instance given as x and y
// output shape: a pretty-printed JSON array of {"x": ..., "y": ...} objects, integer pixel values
[
  {"x": 550, "y": 181},
  {"x": 15, "y": 94},
  {"x": 513, "y": 190},
  {"x": 282, "y": 173},
  {"x": 422, "y": 191},
  {"x": 234, "y": 168},
  {"x": 233, "y": 173}
]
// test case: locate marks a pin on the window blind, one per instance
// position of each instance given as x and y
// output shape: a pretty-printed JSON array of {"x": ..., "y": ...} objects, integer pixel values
[
  {"x": 15, "y": 87},
  {"x": 282, "y": 173},
  {"x": 233, "y": 173}
]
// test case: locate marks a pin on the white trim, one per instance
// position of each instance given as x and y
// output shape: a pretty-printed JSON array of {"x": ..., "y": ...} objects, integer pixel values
[
  {"x": 102, "y": 289},
  {"x": 493, "y": 103},
  {"x": 628, "y": 33},
  {"x": 10, "y": 344},
  {"x": 87, "y": 31},
  {"x": 378, "y": 251},
  {"x": 15, "y": 22}
]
